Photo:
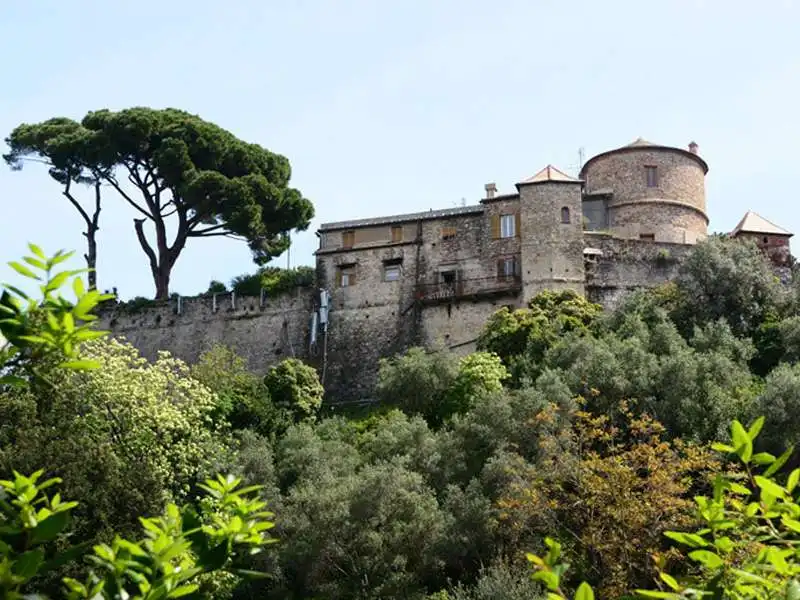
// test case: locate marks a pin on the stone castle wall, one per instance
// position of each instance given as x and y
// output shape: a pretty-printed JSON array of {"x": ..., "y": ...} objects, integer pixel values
[
  {"x": 263, "y": 335},
  {"x": 364, "y": 327}
]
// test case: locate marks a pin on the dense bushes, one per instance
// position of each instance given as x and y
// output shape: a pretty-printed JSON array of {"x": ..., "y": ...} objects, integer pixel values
[{"x": 569, "y": 423}]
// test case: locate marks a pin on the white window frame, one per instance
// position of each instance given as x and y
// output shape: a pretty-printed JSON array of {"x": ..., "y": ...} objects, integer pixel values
[
  {"x": 508, "y": 225},
  {"x": 344, "y": 281},
  {"x": 392, "y": 269}
]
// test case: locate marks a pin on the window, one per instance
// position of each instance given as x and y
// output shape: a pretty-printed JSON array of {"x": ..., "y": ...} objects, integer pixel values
[
  {"x": 507, "y": 226},
  {"x": 348, "y": 239},
  {"x": 346, "y": 277},
  {"x": 506, "y": 267},
  {"x": 565, "y": 215},
  {"x": 650, "y": 237},
  {"x": 448, "y": 233},
  {"x": 397, "y": 234},
  {"x": 391, "y": 273},
  {"x": 447, "y": 277},
  {"x": 651, "y": 173}
]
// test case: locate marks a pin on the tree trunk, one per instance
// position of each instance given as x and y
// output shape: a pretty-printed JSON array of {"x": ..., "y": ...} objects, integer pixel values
[
  {"x": 91, "y": 256},
  {"x": 161, "y": 277}
]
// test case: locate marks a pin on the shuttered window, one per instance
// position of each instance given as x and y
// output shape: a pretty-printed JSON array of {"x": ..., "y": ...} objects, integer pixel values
[
  {"x": 448, "y": 233},
  {"x": 348, "y": 239},
  {"x": 345, "y": 277},
  {"x": 505, "y": 226},
  {"x": 397, "y": 234},
  {"x": 507, "y": 267}
]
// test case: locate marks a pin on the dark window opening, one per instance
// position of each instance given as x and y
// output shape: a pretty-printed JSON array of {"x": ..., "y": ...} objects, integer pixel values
[
  {"x": 565, "y": 215},
  {"x": 650, "y": 237},
  {"x": 652, "y": 176}
]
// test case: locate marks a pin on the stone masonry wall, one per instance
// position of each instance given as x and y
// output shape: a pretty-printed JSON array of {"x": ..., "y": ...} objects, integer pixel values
[
  {"x": 680, "y": 182},
  {"x": 263, "y": 335},
  {"x": 628, "y": 265}
]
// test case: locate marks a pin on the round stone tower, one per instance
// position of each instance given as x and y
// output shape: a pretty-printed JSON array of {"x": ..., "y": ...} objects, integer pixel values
[{"x": 648, "y": 192}]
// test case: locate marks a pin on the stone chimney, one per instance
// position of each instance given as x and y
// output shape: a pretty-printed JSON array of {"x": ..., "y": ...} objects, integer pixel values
[
  {"x": 693, "y": 147},
  {"x": 491, "y": 190}
]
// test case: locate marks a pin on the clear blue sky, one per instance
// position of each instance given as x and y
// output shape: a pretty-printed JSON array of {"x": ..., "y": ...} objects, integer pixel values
[{"x": 386, "y": 107}]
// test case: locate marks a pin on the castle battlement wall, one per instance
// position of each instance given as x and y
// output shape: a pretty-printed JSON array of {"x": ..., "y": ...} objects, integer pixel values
[{"x": 262, "y": 333}]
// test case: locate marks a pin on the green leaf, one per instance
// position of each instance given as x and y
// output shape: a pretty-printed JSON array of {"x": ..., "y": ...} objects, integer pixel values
[
  {"x": 742, "y": 442},
  {"x": 791, "y": 524},
  {"x": 687, "y": 539},
  {"x": 183, "y": 590},
  {"x": 706, "y": 558},
  {"x": 49, "y": 528},
  {"x": 755, "y": 428},
  {"x": 763, "y": 458},
  {"x": 37, "y": 251},
  {"x": 670, "y": 581},
  {"x": 584, "y": 592},
  {"x": 27, "y": 565},
  {"x": 13, "y": 380},
  {"x": 791, "y": 482},
  {"x": 24, "y": 271},
  {"x": 77, "y": 288},
  {"x": 775, "y": 467},
  {"x": 722, "y": 447},
  {"x": 770, "y": 487},
  {"x": 35, "y": 263},
  {"x": 657, "y": 594},
  {"x": 80, "y": 365},
  {"x": 59, "y": 257}
]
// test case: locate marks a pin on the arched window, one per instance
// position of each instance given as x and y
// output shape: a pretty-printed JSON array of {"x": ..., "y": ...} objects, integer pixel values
[{"x": 565, "y": 215}]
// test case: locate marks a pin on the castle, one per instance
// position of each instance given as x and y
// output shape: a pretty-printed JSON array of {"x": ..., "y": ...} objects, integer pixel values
[{"x": 433, "y": 278}]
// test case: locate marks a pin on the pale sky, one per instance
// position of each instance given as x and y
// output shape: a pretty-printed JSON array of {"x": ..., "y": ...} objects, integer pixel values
[{"x": 386, "y": 107}]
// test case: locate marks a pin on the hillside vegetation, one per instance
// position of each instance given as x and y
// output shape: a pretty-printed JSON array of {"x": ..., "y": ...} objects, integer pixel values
[{"x": 572, "y": 434}]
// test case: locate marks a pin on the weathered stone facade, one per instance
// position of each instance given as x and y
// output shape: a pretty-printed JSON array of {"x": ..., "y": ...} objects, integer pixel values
[{"x": 433, "y": 278}]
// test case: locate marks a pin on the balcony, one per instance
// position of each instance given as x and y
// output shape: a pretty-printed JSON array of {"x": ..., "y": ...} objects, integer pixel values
[{"x": 468, "y": 289}]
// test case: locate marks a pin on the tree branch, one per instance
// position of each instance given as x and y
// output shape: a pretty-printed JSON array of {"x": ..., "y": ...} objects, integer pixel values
[
  {"x": 138, "y": 225},
  {"x": 68, "y": 194},
  {"x": 206, "y": 231},
  {"x": 115, "y": 185}
]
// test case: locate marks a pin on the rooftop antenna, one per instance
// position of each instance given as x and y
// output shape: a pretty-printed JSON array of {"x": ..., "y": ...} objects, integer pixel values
[
  {"x": 463, "y": 201},
  {"x": 581, "y": 157}
]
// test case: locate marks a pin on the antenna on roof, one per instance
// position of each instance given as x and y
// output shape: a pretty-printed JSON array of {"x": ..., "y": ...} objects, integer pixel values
[
  {"x": 581, "y": 156},
  {"x": 463, "y": 201}
]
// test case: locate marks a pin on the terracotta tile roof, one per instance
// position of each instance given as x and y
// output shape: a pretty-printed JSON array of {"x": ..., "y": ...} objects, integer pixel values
[
  {"x": 640, "y": 142},
  {"x": 755, "y": 223},
  {"x": 549, "y": 173}
]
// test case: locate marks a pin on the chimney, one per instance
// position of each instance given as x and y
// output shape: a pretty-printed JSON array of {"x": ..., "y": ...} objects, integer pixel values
[
  {"x": 491, "y": 189},
  {"x": 693, "y": 148}
]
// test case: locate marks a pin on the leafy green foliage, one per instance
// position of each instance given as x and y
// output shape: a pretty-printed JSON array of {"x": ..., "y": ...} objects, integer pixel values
[
  {"x": 216, "y": 287},
  {"x": 38, "y": 328},
  {"x": 273, "y": 280},
  {"x": 522, "y": 337},
  {"x": 242, "y": 397},
  {"x": 730, "y": 279},
  {"x": 295, "y": 386},
  {"x": 178, "y": 547}
]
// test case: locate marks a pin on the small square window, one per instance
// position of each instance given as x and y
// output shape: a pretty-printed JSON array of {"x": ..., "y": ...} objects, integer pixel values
[
  {"x": 650, "y": 237},
  {"x": 448, "y": 233},
  {"x": 391, "y": 273},
  {"x": 507, "y": 226},
  {"x": 651, "y": 173},
  {"x": 348, "y": 239},
  {"x": 397, "y": 234}
]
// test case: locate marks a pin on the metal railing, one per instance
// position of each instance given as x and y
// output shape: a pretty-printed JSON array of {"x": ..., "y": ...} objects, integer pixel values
[{"x": 464, "y": 288}]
